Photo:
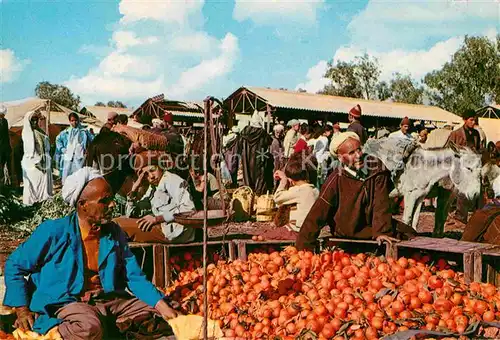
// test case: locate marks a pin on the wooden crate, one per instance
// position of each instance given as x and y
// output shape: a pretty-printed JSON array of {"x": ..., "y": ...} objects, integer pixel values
[
  {"x": 161, "y": 253},
  {"x": 245, "y": 247},
  {"x": 487, "y": 264},
  {"x": 467, "y": 252},
  {"x": 358, "y": 245}
]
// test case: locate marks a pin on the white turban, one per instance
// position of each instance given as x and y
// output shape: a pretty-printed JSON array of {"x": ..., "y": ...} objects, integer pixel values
[
  {"x": 278, "y": 127},
  {"x": 74, "y": 184},
  {"x": 339, "y": 139},
  {"x": 293, "y": 122}
]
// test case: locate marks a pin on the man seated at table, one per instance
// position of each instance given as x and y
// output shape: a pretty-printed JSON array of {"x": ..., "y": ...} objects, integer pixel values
[
  {"x": 79, "y": 268},
  {"x": 196, "y": 186},
  {"x": 150, "y": 216},
  {"x": 354, "y": 201}
]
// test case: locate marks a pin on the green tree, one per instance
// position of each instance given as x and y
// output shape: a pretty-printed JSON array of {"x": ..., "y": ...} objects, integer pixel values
[
  {"x": 404, "y": 90},
  {"x": 367, "y": 72},
  {"x": 470, "y": 80},
  {"x": 357, "y": 79},
  {"x": 99, "y": 104},
  {"x": 60, "y": 94},
  {"x": 343, "y": 80},
  {"x": 383, "y": 91},
  {"x": 117, "y": 104}
]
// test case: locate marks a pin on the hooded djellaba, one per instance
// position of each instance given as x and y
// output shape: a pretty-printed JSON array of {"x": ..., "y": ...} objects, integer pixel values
[{"x": 257, "y": 162}]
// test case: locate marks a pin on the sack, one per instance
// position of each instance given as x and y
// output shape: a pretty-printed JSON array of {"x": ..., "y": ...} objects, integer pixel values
[{"x": 282, "y": 216}]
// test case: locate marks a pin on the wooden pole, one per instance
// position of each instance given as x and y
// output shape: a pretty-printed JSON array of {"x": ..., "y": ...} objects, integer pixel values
[
  {"x": 47, "y": 120},
  {"x": 205, "y": 224}
]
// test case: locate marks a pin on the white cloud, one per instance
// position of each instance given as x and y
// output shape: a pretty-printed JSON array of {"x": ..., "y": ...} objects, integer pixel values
[
  {"x": 315, "y": 79},
  {"x": 118, "y": 63},
  {"x": 167, "y": 52},
  {"x": 10, "y": 66},
  {"x": 386, "y": 25},
  {"x": 95, "y": 86},
  {"x": 197, "y": 42},
  {"x": 274, "y": 12},
  {"x": 169, "y": 11},
  {"x": 207, "y": 70},
  {"x": 125, "y": 39}
]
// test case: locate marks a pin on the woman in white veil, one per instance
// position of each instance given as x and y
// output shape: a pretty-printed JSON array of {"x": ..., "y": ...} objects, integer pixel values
[{"x": 36, "y": 162}]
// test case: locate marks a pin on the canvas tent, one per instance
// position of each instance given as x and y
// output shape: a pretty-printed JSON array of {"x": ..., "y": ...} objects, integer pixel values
[{"x": 57, "y": 117}]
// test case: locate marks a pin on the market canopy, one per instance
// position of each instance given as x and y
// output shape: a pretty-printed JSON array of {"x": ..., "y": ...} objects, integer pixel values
[
  {"x": 17, "y": 109},
  {"x": 247, "y": 99}
]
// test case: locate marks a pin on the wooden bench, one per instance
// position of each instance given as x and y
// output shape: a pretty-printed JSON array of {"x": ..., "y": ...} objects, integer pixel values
[
  {"x": 469, "y": 251},
  {"x": 162, "y": 271}
]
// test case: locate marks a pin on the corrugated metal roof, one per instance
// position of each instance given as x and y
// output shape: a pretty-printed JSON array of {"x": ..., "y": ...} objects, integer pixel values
[
  {"x": 325, "y": 103},
  {"x": 188, "y": 114}
]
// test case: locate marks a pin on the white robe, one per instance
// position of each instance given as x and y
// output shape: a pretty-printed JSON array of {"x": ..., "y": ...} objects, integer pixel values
[{"x": 37, "y": 185}]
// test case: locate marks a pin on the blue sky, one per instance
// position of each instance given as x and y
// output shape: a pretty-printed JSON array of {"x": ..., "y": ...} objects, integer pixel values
[{"x": 131, "y": 50}]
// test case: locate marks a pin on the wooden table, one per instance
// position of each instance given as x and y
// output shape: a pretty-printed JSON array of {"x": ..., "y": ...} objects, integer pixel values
[{"x": 470, "y": 251}]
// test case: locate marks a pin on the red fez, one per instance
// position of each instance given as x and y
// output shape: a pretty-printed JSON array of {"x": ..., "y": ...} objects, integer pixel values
[
  {"x": 168, "y": 118},
  {"x": 356, "y": 111},
  {"x": 336, "y": 126},
  {"x": 405, "y": 121}
]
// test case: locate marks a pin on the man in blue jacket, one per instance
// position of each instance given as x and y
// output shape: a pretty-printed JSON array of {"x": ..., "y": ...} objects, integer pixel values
[{"x": 79, "y": 268}]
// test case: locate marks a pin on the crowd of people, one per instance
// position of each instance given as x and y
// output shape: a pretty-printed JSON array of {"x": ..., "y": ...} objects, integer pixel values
[{"x": 80, "y": 268}]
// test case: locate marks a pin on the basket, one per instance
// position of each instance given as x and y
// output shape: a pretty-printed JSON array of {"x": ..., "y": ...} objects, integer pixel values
[
  {"x": 265, "y": 208},
  {"x": 194, "y": 219},
  {"x": 242, "y": 203}
]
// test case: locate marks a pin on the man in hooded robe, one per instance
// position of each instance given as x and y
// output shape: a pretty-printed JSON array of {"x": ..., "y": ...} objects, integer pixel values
[
  {"x": 71, "y": 147},
  {"x": 257, "y": 162},
  {"x": 36, "y": 162},
  {"x": 354, "y": 201}
]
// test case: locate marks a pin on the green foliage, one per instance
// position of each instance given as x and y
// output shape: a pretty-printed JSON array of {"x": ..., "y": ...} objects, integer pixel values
[
  {"x": 117, "y": 104},
  {"x": 383, "y": 91},
  {"x": 404, "y": 90},
  {"x": 357, "y": 79},
  {"x": 34, "y": 215},
  {"x": 343, "y": 80},
  {"x": 99, "y": 104},
  {"x": 470, "y": 80},
  {"x": 60, "y": 94},
  {"x": 10, "y": 208}
]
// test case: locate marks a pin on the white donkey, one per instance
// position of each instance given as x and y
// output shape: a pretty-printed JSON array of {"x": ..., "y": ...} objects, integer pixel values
[{"x": 415, "y": 171}]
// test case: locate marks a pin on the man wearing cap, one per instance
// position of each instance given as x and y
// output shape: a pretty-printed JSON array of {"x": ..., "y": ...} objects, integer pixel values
[
  {"x": 466, "y": 136},
  {"x": 175, "y": 142},
  {"x": 81, "y": 271},
  {"x": 291, "y": 138},
  {"x": 403, "y": 133},
  {"x": 5, "y": 148},
  {"x": 355, "y": 124},
  {"x": 336, "y": 129},
  {"x": 354, "y": 201},
  {"x": 112, "y": 120}
]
